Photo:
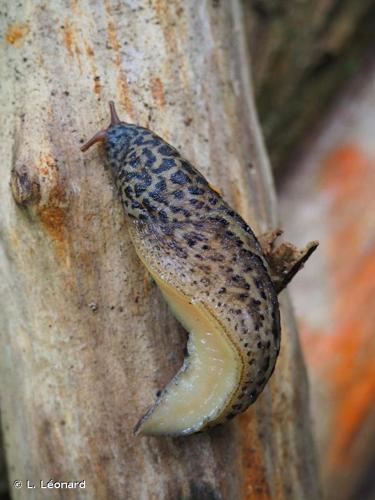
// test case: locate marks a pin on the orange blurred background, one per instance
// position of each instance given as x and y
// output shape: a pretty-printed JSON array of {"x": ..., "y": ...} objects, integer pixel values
[{"x": 329, "y": 195}]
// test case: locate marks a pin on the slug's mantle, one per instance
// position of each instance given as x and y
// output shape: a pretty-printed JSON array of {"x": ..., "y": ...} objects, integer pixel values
[{"x": 220, "y": 282}]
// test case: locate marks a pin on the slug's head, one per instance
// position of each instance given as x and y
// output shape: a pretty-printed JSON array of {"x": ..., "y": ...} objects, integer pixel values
[{"x": 116, "y": 137}]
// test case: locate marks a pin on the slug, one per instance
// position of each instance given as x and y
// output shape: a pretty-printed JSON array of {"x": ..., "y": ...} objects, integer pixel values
[{"x": 210, "y": 268}]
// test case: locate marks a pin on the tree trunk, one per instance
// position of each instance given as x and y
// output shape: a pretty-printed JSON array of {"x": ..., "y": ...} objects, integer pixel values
[{"x": 86, "y": 340}]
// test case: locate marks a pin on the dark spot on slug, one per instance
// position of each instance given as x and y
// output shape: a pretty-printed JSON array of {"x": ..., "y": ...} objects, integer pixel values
[
  {"x": 161, "y": 185},
  {"x": 191, "y": 242},
  {"x": 239, "y": 280},
  {"x": 243, "y": 296},
  {"x": 166, "y": 150},
  {"x": 134, "y": 162},
  {"x": 165, "y": 165},
  {"x": 219, "y": 219},
  {"x": 178, "y": 194},
  {"x": 205, "y": 268},
  {"x": 135, "y": 205},
  {"x": 179, "y": 178},
  {"x": 195, "y": 190},
  {"x": 197, "y": 203},
  {"x": 258, "y": 284},
  {"x": 140, "y": 189},
  {"x": 148, "y": 205},
  {"x": 151, "y": 158},
  {"x": 128, "y": 191},
  {"x": 163, "y": 215},
  {"x": 190, "y": 169},
  {"x": 160, "y": 198},
  {"x": 216, "y": 257}
]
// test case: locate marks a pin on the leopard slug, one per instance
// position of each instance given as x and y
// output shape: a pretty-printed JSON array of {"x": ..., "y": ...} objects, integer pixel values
[{"x": 211, "y": 270}]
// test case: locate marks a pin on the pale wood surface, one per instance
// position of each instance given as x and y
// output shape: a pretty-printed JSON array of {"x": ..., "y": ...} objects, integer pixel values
[{"x": 85, "y": 340}]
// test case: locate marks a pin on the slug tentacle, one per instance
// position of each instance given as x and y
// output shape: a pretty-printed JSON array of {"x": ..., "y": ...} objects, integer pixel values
[
  {"x": 102, "y": 134},
  {"x": 211, "y": 270},
  {"x": 115, "y": 120},
  {"x": 98, "y": 137}
]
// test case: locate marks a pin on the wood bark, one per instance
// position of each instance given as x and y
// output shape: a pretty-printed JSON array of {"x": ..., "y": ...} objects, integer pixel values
[{"x": 85, "y": 339}]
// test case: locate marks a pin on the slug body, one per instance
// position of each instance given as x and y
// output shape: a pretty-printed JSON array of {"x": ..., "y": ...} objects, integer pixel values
[{"x": 211, "y": 270}]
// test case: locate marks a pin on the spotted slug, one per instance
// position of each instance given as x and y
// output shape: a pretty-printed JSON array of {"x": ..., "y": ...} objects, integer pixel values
[{"x": 212, "y": 271}]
